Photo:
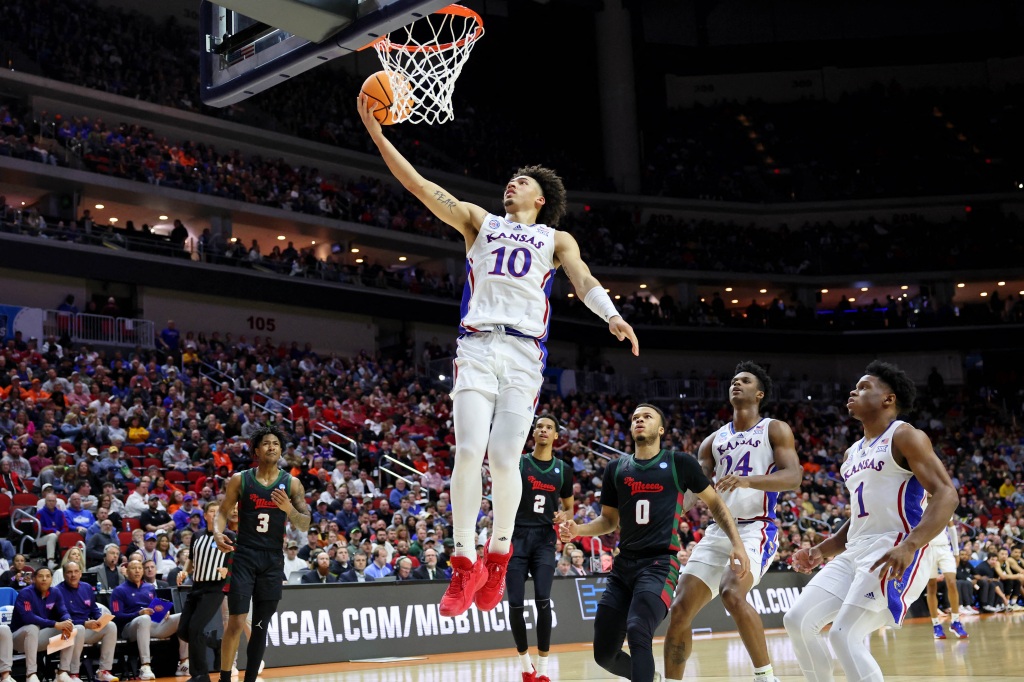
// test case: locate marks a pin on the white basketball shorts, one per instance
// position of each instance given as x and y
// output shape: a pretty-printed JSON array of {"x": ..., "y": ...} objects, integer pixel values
[
  {"x": 510, "y": 368},
  {"x": 943, "y": 559},
  {"x": 849, "y": 577},
  {"x": 709, "y": 559}
]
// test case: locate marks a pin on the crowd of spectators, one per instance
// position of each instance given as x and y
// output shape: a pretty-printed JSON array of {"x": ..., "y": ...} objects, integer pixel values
[
  {"x": 139, "y": 444},
  {"x": 880, "y": 142},
  {"x": 608, "y": 235}
]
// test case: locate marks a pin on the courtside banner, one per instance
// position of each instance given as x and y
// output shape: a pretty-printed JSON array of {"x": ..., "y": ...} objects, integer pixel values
[{"x": 341, "y": 622}]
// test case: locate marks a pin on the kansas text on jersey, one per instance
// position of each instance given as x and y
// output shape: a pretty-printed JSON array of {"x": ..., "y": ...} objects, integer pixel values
[
  {"x": 745, "y": 453},
  {"x": 509, "y": 273},
  {"x": 884, "y": 497}
]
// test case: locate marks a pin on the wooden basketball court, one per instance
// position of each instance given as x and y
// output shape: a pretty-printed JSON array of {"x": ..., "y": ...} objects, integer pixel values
[{"x": 993, "y": 652}]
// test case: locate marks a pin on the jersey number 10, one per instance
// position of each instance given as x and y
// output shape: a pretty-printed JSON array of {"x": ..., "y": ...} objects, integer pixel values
[{"x": 513, "y": 260}]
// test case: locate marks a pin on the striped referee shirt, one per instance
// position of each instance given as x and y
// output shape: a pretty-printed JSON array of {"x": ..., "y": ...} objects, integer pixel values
[{"x": 206, "y": 558}]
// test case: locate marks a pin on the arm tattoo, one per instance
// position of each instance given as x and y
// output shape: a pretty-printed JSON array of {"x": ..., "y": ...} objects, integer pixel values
[
  {"x": 445, "y": 200},
  {"x": 299, "y": 516}
]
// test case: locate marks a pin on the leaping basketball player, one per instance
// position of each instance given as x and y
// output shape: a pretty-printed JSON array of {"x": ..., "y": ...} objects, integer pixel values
[
  {"x": 752, "y": 459},
  {"x": 511, "y": 262},
  {"x": 878, "y": 570}
]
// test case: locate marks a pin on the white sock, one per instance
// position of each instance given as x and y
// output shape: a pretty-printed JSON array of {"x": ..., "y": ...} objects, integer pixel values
[
  {"x": 542, "y": 665},
  {"x": 524, "y": 660},
  {"x": 669, "y": 679},
  {"x": 936, "y": 621},
  {"x": 465, "y": 543},
  {"x": 764, "y": 673},
  {"x": 955, "y": 615},
  {"x": 497, "y": 545}
]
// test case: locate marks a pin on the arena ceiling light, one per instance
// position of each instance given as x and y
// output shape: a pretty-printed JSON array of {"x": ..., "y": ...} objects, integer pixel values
[
  {"x": 762, "y": 291},
  {"x": 643, "y": 286},
  {"x": 354, "y": 250},
  {"x": 99, "y": 206},
  {"x": 280, "y": 237},
  {"x": 402, "y": 259},
  {"x": 863, "y": 288},
  {"x": 163, "y": 217},
  {"x": 961, "y": 285},
  {"x": 904, "y": 287},
  {"x": 728, "y": 289},
  {"x": 1002, "y": 284}
]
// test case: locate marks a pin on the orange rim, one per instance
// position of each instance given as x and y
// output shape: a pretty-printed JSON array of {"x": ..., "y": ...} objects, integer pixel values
[{"x": 456, "y": 10}]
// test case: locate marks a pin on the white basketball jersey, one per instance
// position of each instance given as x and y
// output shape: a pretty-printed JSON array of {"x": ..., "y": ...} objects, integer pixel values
[
  {"x": 745, "y": 453},
  {"x": 509, "y": 273},
  {"x": 885, "y": 498}
]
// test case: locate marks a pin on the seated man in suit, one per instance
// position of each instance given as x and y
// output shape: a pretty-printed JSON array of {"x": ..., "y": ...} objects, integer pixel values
[
  {"x": 109, "y": 574},
  {"x": 403, "y": 569},
  {"x": 320, "y": 573},
  {"x": 149, "y": 572},
  {"x": 358, "y": 572},
  {"x": 429, "y": 570}
]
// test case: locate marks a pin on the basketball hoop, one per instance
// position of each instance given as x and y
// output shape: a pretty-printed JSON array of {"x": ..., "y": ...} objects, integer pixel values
[{"x": 423, "y": 60}]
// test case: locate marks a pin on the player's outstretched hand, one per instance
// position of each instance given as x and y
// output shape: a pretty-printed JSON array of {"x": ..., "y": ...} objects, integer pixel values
[
  {"x": 365, "y": 108},
  {"x": 731, "y": 482},
  {"x": 567, "y": 531},
  {"x": 621, "y": 330},
  {"x": 894, "y": 563},
  {"x": 562, "y": 515},
  {"x": 806, "y": 560},
  {"x": 739, "y": 562}
]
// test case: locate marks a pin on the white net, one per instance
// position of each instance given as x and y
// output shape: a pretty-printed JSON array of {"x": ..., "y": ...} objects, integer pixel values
[{"x": 424, "y": 59}]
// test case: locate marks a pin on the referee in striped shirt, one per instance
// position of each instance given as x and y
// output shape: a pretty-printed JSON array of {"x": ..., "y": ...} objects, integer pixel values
[{"x": 207, "y": 566}]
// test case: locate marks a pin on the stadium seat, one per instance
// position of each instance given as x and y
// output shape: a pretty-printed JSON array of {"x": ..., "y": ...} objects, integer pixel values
[
  {"x": 194, "y": 476},
  {"x": 5, "y": 512},
  {"x": 130, "y": 451},
  {"x": 25, "y": 500},
  {"x": 68, "y": 540},
  {"x": 150, "y": 451},
  {"x": 152, "y": 462},
  {"x": 131, "y": 524},
  {"x": 174, "y": 476},
  {"x": 68, "y": 448},
  {"x": 7, "y": 596}
]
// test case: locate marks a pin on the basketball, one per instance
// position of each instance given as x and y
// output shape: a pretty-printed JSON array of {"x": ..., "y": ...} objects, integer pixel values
[{"x": 378, "y": 90}]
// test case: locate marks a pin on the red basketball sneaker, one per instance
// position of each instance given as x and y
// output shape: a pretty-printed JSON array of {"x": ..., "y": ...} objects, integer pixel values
[
  {"x": 494, "y": 589},
  {"x": 542, "y": 678},
  {"x": 467, "y": 578},
  {"x": 531, "y": 676}
]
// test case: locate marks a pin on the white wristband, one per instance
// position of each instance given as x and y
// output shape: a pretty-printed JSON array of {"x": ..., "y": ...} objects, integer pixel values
[{"x": 597, "y": 300}]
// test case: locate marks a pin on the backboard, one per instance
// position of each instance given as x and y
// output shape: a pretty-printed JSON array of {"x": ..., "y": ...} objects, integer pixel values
[{"x": 249, "y": 46}]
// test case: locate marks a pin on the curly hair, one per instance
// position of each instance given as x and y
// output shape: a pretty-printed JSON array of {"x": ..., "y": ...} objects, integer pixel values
[
  {"x": 764, "y": 382},
  {"x": 897, "y": 381},
  {"x": 553, "y": 191},
  {"x": 262, "y": 432}
]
